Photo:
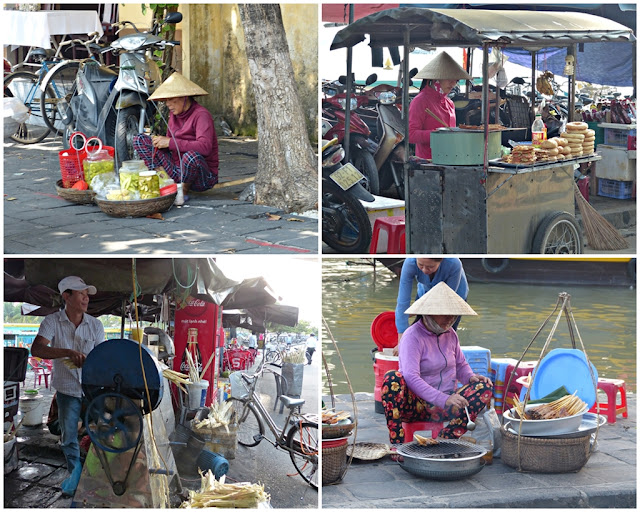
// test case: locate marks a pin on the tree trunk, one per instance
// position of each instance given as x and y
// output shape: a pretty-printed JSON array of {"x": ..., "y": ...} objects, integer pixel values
[{"x": 287, "y": 175}]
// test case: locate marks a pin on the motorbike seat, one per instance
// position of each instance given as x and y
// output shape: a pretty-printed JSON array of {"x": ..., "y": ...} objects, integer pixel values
[{"x": 96, "y": 73}]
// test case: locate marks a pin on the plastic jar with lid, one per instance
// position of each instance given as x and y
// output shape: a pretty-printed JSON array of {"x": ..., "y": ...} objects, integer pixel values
[
  {"x": 130, "y": 173},
  {"x": 149, "y": 185},
  {"x": 97, "y": 162}
]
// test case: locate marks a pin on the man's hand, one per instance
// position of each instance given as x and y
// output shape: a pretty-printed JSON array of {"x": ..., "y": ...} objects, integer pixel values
[
  {"x": 457, "y": 401},
  {"x": 481, "y": 378},
  {"x": 160, "y": 142},
  {"x": 77, "y": 357}
]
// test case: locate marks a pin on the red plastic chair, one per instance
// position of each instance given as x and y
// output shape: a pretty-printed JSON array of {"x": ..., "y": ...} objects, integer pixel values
[{"x": 41, "y": 368}]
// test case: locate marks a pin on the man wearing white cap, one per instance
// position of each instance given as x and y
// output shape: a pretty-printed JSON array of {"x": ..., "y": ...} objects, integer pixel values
[
  {"x": 189, "y": 151},
  {"x": 69, "y": 334},
  {"x": 431, "y": 364},
  {"x": 432, "y": 108}
]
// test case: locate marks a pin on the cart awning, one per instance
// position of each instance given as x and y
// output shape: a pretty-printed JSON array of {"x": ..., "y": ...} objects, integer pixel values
[{"x": 474, "y": 27}]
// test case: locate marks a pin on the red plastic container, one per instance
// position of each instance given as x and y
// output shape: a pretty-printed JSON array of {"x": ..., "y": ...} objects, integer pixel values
[
  {"x": 333, "y": 443},
  {"x": 385, "y": 335},
  {"x": 169, "y": 189}
]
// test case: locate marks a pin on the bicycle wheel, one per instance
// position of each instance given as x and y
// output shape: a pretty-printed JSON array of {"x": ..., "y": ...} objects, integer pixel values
[
  {"x": 273, "y": 357},
  {"x": 303, "y": 441},
  {"x": 24, "y": 86},
  {"x": 59, "y": 88},
  {"x": 249, "y": 425}
]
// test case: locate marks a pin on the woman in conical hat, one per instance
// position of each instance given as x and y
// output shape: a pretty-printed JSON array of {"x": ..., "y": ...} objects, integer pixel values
[
  {"x": 431, "y": 363},
  {"x": 189, "y": 151},
  {"x": 432, "y": 108}
]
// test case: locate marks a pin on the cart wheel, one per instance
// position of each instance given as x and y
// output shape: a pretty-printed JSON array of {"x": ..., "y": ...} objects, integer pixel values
[{"x": 558, "y": 233}]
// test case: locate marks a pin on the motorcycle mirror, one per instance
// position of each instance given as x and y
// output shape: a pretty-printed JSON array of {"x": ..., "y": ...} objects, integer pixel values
[
  {"x": 343, "y": 78},
  {"x": 518, "y": 80},
  {"x": 173, "y": 17},
  {"x": 413, "y": 73},
  {"x": 371, "y": 79}
]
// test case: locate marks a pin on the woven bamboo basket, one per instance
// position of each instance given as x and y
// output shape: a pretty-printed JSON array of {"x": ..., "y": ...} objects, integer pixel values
[
  {"x": 75, "y": 196},
  {"x": 139, "y": 208},
  {"x": 545, "y": 455},
  {"x": 334, "y": 463}
]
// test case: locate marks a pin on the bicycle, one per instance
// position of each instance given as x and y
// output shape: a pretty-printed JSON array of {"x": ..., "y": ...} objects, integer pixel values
[
  {"x": 44, "y": 91},
  {"x": 298, "y": 436}
]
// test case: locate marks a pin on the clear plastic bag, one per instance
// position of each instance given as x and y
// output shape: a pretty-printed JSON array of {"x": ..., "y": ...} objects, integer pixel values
[{"x": 102, "y": 183}]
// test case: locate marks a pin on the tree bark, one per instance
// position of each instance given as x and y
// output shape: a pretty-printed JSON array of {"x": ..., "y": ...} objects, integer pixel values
[{"x": 287, "y": 175}]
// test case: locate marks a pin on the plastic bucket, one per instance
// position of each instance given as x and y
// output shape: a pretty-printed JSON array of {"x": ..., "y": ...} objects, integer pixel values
[
  {"x": 197, "y": 393},
  {"x": 31, "y": 409},
  {"x": 382, "y": 364},
  {"x": 218, "y": 465}
]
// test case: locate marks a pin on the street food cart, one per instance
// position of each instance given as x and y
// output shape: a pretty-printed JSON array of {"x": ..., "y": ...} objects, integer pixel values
[{"x": 486, "y": 206}]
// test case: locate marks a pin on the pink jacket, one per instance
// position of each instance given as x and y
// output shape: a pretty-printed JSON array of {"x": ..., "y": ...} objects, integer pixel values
[
  {"x": 193, "y": 130},
  {"x": 422, "y": 124},
  {"x": 431, "y": 364}
]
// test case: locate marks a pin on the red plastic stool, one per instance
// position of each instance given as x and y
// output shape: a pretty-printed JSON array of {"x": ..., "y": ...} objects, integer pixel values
[
  {"x": 611, "y": 408},
  {"x": 524, "y": 368},
  {"x": 417, "y": 426},
  {"x": 395, "y": 229}
]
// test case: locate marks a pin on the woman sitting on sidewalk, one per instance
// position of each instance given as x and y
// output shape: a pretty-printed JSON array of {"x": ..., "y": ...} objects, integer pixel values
[
  {"x": 431, "y": 363},
  {"x": 190, "y": 142}
]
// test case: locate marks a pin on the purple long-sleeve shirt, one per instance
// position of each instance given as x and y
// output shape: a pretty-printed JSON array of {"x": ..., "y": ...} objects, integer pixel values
[
  {"x": 431, "y": 364},
  {"x": 193, "y": 130}
]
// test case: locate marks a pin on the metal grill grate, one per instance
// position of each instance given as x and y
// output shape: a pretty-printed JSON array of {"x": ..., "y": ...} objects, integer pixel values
[{"x": 446, "y": 448}]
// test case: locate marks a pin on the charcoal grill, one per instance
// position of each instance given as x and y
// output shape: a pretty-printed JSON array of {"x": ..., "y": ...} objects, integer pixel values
[{"x": 450, "y": 459}]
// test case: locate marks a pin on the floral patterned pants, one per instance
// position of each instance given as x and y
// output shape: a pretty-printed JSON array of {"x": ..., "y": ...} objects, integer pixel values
[{"x": 401, "y": 404}]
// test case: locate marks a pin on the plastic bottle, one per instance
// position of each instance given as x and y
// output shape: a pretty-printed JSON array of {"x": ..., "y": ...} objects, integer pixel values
[{"x": 537, "y": 131}]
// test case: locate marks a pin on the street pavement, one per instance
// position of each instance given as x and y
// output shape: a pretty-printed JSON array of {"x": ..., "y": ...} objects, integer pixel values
[
  {"x": 38, "y": 221},
  {"x": 608, "y": 480},
  {"x": 36, "y": 481}
]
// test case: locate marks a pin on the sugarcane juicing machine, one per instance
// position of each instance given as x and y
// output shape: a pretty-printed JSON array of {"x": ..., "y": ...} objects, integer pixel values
[{"x": 130, "y": 463}]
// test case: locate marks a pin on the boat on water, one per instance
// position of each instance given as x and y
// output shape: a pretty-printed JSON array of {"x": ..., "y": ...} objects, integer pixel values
[{"x": 537, "y": 270}]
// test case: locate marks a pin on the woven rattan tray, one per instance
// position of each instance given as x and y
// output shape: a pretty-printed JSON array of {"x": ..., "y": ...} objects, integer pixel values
[
  {"x": 335, "y": 431},
  {"x": 545, "y": 455},
  {"x": 369, "y": 451},
  {"x": 139, "y": 208},
  {"x": 75, "y": 196}
]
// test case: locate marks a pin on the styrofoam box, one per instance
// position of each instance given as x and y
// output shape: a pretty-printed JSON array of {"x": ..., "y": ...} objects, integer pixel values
[
  {"x": 616, "y": 163},
  {"x": 383, "y": 207}
]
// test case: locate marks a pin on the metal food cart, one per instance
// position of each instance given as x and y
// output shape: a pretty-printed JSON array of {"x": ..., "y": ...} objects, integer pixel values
[{"x": 487, "y": 207}]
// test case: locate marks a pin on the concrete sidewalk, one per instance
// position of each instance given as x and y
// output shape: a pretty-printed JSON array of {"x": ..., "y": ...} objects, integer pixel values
[
  {"x": 608, "y": 480},
  {"x": 37, "y": 220}
]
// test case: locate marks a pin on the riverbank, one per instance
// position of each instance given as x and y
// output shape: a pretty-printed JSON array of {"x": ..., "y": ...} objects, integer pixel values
[{"x": 608, "y": 480}]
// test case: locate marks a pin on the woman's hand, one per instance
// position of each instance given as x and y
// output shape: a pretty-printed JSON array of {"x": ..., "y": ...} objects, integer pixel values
[
  {"x": 457, "y": 401},
  {"x": 481, "y": 378},
  {"x": 160, "y": 142},
  {"x": 397, "y": 347}
]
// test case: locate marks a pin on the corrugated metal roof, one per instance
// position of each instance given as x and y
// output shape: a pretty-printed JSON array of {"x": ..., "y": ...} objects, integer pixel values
[{"x": 471, "y": 27}]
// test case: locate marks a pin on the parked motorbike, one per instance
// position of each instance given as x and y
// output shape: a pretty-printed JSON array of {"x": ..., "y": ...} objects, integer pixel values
[
  {"x": 361, "y": 146},
  {"x": 345, "y": 224},
  {"x": 113, "y": 105}
]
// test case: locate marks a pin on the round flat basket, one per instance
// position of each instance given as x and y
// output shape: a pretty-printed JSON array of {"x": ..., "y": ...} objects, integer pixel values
[
  {"x": 75, "y": 196},
  {"x": 139, "y": 208},
  {"x": 545, "y": 455},
  {"x": 338, "y": 430},
  {"x": 368, "y": 451},
  {"x": 334, "y": 464}
]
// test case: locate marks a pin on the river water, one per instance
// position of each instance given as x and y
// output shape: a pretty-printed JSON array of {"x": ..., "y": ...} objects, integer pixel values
[{"x": 508, "y": 317}]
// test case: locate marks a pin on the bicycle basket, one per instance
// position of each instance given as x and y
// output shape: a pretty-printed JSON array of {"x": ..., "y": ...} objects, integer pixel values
[{"x": 238, "y": 388}]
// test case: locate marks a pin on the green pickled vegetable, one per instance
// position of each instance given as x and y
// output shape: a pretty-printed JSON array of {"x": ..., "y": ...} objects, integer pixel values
[
  {"x": 92, "y": 169},
  {"x": 129, "y": 181},
  {"x": 149, "y": 186}
]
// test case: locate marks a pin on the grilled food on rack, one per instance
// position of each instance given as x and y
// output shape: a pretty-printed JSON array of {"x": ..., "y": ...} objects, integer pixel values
[
  {"x": 331, "y": 418},
  {"x": 425, "y": 441},
  {"x": 480, "y": 127}
]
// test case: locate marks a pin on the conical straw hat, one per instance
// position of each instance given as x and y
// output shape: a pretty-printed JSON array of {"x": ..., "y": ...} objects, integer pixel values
[
  {"x": 177, "y": 86},
  {"x": 443, "y": 67},
  {"x": 440, "y": 300}
]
